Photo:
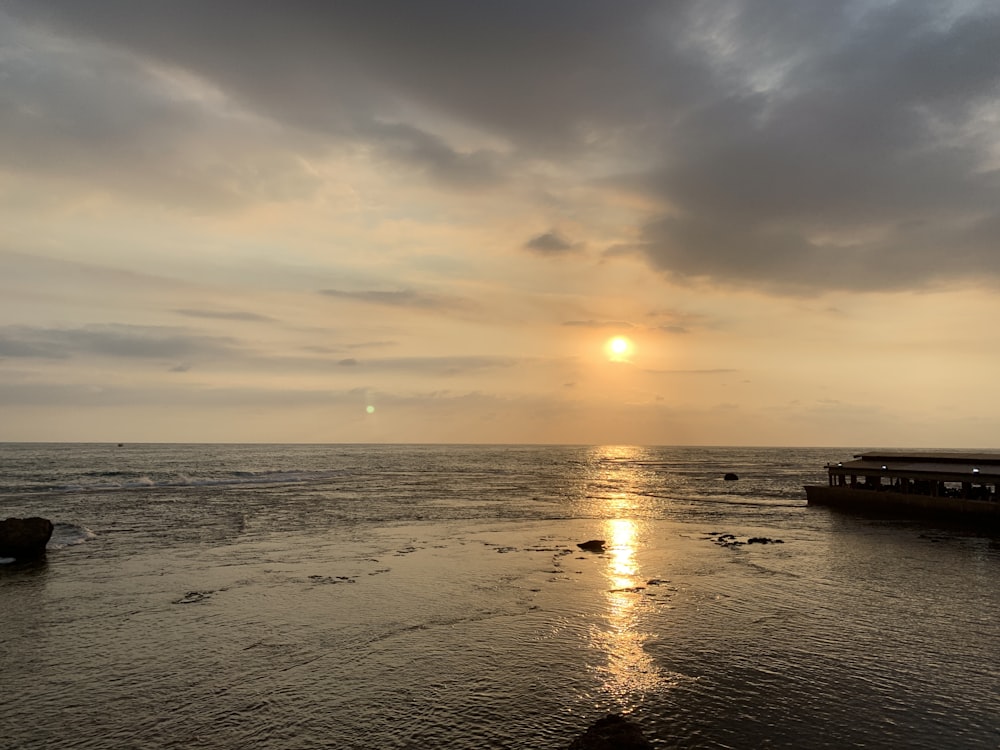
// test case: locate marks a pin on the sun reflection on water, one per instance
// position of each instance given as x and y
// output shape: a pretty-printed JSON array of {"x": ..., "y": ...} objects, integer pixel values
[
  {"x": 628, "y": 672},
  {"x": 622, "y": 568}
]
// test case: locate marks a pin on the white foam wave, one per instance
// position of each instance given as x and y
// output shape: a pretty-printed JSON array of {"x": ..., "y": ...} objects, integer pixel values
[
  {"x": 185, "y": 480},
  {"x": 68, "y": 535}
]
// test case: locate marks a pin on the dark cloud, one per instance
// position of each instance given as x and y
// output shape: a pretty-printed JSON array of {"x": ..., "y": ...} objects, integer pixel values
[
  {"x": 676, "y": 321},
  {"x": 520, "y": 67},
  {"x": 104, "y": 117},
  {"x": 406, "y": 298},
  {"x": 181, "y": 348},
  {"x": 432, "y": 366},
  {"x": 15, "y": 343},
  {"x": 372, "y": 344},
  {"x": 794, "y": 145},
  {"x": 224, "y": 315},
  {"x": 865, "y": 165},
  {"x": 97, "y": 394},
  {"x": 179, "y": 395},
  {"x": 428, "y": 152},
  {"x": 550, "y": 243},
  {"x": 126, "y": 341},
  {"x": 667, "y": 321}
]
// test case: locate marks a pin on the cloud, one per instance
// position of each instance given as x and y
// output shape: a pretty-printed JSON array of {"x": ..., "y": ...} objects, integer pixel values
[
  {"x": 598, "y": 324},
  {"x": 114, "y": 121},
  {"x": 225, "y": 315},
  {"x": 113, "y": 340},
  {"x": 408, "y": 144},
  {"x": 714, "y": 371},
  {"x": 862, "y": 163},
  {"x": 335, "y": 67},
  {"x": 789, "y": 145},
  {"x": 14, "y": 344},
  {"x": 405, "y": 298},
  {"x": 183, "y": 348},
  {"x": 372, "y": 344},
  {"x": 90, "y": 394},
  {"x": 435, "y": 366},
  {"x": 666, "y": 321},
  {"x": 676, "y": 321},
  {"x": 550, "y": 243}
]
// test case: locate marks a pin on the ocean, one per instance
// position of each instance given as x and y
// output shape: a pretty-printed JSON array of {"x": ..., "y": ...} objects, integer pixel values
[{"x": 397, "y": 596}]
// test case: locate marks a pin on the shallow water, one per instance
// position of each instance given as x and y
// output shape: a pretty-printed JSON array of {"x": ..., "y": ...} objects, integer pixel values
[{"x": 433, "y": 596}]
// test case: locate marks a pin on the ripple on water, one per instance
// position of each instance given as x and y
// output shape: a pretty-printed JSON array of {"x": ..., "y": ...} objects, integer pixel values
[{"x": 405, "y": 605}]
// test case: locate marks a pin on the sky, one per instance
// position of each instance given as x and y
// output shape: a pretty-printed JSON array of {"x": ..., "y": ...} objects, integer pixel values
[{"x": 398, "y": 221}]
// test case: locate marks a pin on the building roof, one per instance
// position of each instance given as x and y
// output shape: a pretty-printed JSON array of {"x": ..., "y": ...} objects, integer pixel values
[
  {"x": 949, "y": 467},
  {"x": 934, "y": 456}
]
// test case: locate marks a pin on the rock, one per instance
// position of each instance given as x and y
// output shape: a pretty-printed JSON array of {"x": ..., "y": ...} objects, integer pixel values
[
  {"x": 594, "y": 545},
  {"x": 730, "y": 477},
  {"x": 24, "y": 538},
  {"x": 728, "y": 541},
  {"x": 613, "y": 732}
]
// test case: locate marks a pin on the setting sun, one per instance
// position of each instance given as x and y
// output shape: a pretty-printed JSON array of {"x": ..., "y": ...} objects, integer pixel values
[{"x": 619, "y": 348}]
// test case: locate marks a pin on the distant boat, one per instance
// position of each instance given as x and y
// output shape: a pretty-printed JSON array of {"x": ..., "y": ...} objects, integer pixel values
[{"x": 960, "y": 485}]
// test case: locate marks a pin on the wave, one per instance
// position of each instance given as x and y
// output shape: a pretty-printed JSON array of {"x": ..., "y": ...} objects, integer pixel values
[
  {"x": 69, "y": 534},
  {"x": 101, "y": 481}
]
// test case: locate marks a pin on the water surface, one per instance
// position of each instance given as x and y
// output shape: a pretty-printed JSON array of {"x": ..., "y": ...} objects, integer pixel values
[{"x": 433, "y": 596}]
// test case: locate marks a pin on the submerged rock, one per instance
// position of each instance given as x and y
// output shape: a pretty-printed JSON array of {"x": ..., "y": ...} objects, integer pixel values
[
  {"x": 24, "y": 538},
  {"x": 730, "y": 540},
  {"x": 594, "y": 545},
  {"x": 613, "y": 732}
]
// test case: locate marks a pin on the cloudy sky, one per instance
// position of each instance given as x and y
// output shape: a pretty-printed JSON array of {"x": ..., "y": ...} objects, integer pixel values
[{"x": 311, "y": 221}]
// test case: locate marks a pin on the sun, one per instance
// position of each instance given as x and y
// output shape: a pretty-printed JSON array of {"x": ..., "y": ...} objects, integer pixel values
[{"x": 618, "y": 349}]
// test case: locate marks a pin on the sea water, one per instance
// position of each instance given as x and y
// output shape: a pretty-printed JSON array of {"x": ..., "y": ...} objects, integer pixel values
[{"x": 350, "y": 596}]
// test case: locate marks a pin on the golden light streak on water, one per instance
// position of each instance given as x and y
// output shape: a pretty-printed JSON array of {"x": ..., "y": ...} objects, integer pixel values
[
  {"x": 629, "y": 672},
  {"x": 622, "y": 567}
]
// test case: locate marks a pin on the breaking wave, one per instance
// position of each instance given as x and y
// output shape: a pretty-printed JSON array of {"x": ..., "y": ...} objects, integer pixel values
[
  {"x": 69, "y": 534},
  {"x": 121, "y": 481}
]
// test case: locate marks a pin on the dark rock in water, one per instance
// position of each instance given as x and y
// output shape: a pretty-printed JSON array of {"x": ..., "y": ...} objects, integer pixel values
[
  {"x": 613, "y": 732},
  {"x": 24, "y": 538},
  {"x": 730, "y": 541},
  {"x": 594, "y": 545},
  {"x": 730, "y": 477}
]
